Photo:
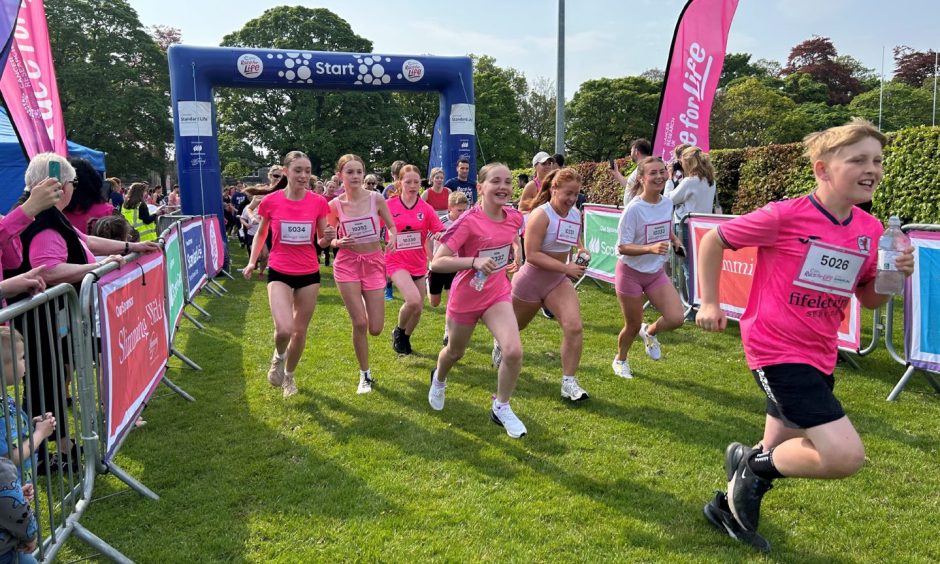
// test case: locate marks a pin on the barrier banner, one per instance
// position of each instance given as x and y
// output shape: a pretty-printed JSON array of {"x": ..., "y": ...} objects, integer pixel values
[
  {"x": 29, "y": 87},
  {"x": 692, "y": 73},
  {"x": 134, "y": 341},
  {"x": 175, "y": 288},
  {"x": 737, "y": 277},
  {"x": 215, "y": 258},
  {"x": 600, "y": 238},
  {"x": 922, "y": 303},
  {"x": 194, "y": 252}
]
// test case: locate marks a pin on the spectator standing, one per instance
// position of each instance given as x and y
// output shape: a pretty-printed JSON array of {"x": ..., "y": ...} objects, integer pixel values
[{"x": 462, "y": 181}]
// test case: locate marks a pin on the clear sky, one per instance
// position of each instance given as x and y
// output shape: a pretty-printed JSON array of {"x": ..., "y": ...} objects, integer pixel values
[{"x": 605, "y": 38}]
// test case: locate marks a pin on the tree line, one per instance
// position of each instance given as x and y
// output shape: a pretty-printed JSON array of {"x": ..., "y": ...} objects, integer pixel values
[{"x": 114, "y": 86}]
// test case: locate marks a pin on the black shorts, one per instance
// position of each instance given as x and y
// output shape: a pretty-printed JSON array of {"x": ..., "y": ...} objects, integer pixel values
[
  {"x": 438, "y": 282},
  {"x": 800, "y": 395},
  {"x": 295, "y": 281}
]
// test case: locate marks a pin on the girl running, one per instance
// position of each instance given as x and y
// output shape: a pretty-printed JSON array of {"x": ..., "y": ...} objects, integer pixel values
[
  {"x": 407, "y": 263},
  {"x": 295, "y": 216},
  {"x": 359, "y": 267},
  {"x": 552, "y": 230},
  {"x": 814, "y": 253},
  {"x": 645, "y": 232},
  {"x": 477, "y": 247}
]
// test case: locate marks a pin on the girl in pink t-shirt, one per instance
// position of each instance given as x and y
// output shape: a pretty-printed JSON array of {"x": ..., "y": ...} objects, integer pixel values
[
  {"x": 359, "y": 268},
  {"x": 295, "y": 216},
  {"x": 407, "y": 266},
  {"x": 478, "y": 247}
]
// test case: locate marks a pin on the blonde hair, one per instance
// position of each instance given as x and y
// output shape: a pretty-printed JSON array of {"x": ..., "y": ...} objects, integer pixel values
[
  {"x": 696, "y": 162},
  {"x": 486, "y": 170},
  {"x": 135, "y": 195},
  {"x": 823, "y": 144},
  {"x": 346, "y": 159},
  {"x": 456, "y": 198},
  {"x": 9, "y": 338},
  {"x": 434, "y": 172}
]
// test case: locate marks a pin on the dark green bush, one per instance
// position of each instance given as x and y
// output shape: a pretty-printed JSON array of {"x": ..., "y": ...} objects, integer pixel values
[{"x": 911, "y": 185}]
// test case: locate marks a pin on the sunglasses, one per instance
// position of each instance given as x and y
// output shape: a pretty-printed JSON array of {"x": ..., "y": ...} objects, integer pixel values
[
  {"x": 547, "y": 162},
  {"x": 275, "y": 176},
  {"x": 370, "y": 183}
]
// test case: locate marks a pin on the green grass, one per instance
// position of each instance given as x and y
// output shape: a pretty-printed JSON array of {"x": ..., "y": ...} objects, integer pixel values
[{"x": 246, "y": 476}]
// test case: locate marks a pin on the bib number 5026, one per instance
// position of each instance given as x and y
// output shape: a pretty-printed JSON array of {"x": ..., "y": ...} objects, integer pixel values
[{"x": 834, "y": 262}]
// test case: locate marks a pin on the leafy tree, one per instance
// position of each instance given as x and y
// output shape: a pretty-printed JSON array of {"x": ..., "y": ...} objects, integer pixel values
[
  {"x": 165, "y": 36},
  {"x": 801, "y": 88},
  {"x": 538, "y": 117},
  {"x": 498, "y": 117},
  {"x": 903, "y": 106},
  {"x": 769, "y": 67},
  {"x": 816, "y": 116},
  {"x": 113, "y": 83},
  {"x": 913, "y": 67},
  {"x": 748, "y": 113},
  {"x": 416, "y": 113},
  {"x": 654, "y": 75},
  {"x": 323, "y": 124},
  {"x": 235, "y": 170},
  {"x": 607, "y": 114},
  {"x": 739, "y": 65},
  {"x": 817, "y": 57}
]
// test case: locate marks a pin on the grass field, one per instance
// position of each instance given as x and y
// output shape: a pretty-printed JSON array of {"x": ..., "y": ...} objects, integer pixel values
[{"x": 327, "y": 475}]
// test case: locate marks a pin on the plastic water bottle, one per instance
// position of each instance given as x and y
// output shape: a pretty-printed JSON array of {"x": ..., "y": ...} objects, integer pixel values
[
  {"x": 479, "y": 279},
  {"x": 890, "y": 246}
]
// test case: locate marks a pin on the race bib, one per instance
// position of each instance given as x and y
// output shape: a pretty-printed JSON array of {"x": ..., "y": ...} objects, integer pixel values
[
  {"x": 296, "y": 232},
  {"x": 500, "y": 255},
  {"x": 828, "y": 268},
  {"x": 568, "y": 232},
  {"x": 657, "y": 232},
  {"x": 408, "y": 240},
  {"x": 360, "y": 228}
]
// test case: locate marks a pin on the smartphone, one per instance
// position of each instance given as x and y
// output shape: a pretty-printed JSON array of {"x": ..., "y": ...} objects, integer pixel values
[
  {"x": 613, "y": 165},
  {"x": 55, "y": 170}
]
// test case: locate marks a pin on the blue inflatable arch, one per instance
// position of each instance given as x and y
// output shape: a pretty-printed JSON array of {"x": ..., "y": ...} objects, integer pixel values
[{"x": 195, "y": 71}]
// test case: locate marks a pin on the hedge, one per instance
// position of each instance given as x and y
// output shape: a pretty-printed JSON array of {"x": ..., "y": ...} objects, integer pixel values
[{"x": 749, "y": 178}]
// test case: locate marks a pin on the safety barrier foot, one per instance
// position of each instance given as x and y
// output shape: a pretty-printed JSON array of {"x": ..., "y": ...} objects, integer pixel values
[
  {"x": 95, "y": 542},
  {"x": 193, "y": 320},
  {"x": 186, "y": 360},
  {"x": 203, "y": 312},
  {"x": 132, "y": 482},
  {"x": 182, "y": 393}
]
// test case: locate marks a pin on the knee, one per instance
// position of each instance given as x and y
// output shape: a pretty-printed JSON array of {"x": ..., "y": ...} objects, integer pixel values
[
  {"x": 845, "y": 462},
  {"x": 673, "y": 321},
  {"x": 572, "y": 328},
  {"x": 360, "y": 324},
  {"x": 376, "y": 330},
  {"x": 281, "y": 333},
  {"x": 453, "y": 354},
  {"x": 512, "y": 354}
]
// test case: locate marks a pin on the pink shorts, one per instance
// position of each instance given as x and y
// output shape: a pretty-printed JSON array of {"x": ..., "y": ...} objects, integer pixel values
[
  {"x": 473, "y": 316},
  {"x": 365, "y": 268},
  {"x": 395, "y": 262},
  {"x": 633, "y": 283},
  {"x": 532, "y": 284}
]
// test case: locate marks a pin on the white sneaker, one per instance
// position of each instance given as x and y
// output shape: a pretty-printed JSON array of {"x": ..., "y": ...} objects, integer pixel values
[
  {"x": 290, "y": 387},
  {"x": 505, "y": 418},
  {"x": 436, "y": 394},
  {"x": 276, "y": 371},
  {"x": 365, "y": 384},
  {"x": 572, "y": 391},
  {"x": 652, "y": 345},
  {"x": 497, "y": 355},
  {"x": 621, "y": 368}
]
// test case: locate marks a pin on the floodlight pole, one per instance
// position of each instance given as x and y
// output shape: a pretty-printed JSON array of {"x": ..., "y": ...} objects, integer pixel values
[
  {"x": 881, "y": 95},
  {"x": 560, "y": 83},
  {"x": 934, "y": 120}
]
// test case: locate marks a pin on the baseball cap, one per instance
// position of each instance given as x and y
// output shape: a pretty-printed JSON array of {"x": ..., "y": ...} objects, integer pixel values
[{"x": 540, "y": 157}]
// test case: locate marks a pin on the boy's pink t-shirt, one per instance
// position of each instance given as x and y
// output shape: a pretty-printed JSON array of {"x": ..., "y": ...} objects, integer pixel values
[
  {"x": 808, "y": 266},
  {"x": 293, "y": 227},
  {"x": 79, "y": 220},
  {"x": 413, "y": 226},
  {"x": 474, "y": 234},
  {"x": 48, "y": 249}
]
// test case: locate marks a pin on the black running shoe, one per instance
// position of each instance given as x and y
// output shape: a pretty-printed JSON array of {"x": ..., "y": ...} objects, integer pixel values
[
  {"x": 406, "y": 342},
  {"x": 719, "y": 514},
  {"x": 398, "y": 344},
  {"x": 547, "y": 313},
  {"x": 745, "y": 492},
  {"x": 734, "y": 453}
]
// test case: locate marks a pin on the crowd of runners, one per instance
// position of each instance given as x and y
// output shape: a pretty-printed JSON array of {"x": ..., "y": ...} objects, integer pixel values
[{"x": 814, "y": 252}]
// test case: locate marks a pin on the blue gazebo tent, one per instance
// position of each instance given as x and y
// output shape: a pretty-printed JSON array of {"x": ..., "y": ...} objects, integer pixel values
[{"x": 13, "y": 162}]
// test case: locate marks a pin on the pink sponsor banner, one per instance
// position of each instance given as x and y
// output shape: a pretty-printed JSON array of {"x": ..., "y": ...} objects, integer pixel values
[
  {"x": 698, "y": 53},
  {"x": 28, "y": 84},
  {"x": 737, "y": 277},
  {"x": 215, "y": 257}
]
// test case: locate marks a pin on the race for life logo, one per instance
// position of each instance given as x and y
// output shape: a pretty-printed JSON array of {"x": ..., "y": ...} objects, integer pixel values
[
  {"x": 412, "y": 70},
  {"x": 250, "y": 66}
]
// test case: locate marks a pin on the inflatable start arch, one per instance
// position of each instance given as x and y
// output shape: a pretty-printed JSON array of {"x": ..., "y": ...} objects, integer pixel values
[{"x": 195, "y": 71}]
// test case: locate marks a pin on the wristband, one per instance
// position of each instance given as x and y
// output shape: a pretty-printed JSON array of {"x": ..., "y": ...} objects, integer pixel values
[
  {"x": 473, "y": 263},
  {"x": 127, "y": 247}
]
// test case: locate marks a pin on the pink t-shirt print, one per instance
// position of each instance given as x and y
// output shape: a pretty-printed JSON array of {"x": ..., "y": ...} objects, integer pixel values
[
  {"x": 474, "y": 234},
  {"x": 808, "y": 266},
  {"x": 293, "y": 225}
]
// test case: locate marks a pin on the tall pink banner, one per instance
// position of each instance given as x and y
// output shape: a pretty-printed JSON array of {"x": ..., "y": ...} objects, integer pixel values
[
  {"x": 695, "y": 61},
  {"x": 28, "y": 84}
]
